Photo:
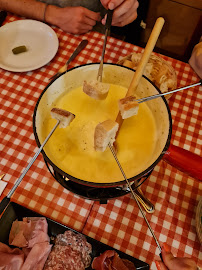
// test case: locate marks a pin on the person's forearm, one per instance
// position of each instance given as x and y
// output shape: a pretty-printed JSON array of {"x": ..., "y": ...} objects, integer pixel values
[
  {"x": 26, "y": 8},
  {"x": 32, "y": 9}
]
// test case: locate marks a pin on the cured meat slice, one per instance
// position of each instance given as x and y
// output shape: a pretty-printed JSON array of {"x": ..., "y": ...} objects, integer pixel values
[
  {"x": 78, "y": 243},
  {"x": 37, "y": 256},
  {"x": 11, "y": 259},
  {"x": 120, "y": 264},
  {"x": 110, "y": 260},
  {"x": 71, "y": 252},
  {"x": 129, "y": 264},
  {"x": 17, "y": 234},
  {"x": 28, "y": 232},
  {"x": 101, "y": 263},
  {"x": 64, "y": 258}
]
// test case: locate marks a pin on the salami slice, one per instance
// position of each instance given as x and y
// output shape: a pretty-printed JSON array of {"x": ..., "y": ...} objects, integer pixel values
[
  {"x": 64, "y": 258},
  {"x": 78, "y": 243},
  {"x": 71, "y": 252}
]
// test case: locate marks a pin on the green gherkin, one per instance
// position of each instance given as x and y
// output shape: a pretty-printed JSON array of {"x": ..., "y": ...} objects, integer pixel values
[{"x": 19, "y": 49}]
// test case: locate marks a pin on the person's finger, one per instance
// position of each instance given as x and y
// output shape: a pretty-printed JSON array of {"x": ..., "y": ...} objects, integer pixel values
[
  {"x": 125, "y": 19},
  {"x": 95, "y": 16},
  {"x": 176, "y": 263},
  {"x": 167, "y": 256},
  {"x": 88, "y": 21},
  {"x": 115, "y": 3},
  {"x": 123, "y": 8},
  {"x": 160, "y": 265},
  {"x": 105, "y": 3},
  {"x": 124, "y": 14}
]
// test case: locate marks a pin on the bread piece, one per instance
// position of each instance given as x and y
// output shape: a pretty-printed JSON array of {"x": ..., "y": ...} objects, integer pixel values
[
  {"x": 63, "y": 116},
  {"x": 159, "y": 71},
  {"x": 128, "y": 63},
  {"x": 95, "y": 89},
  {"x": 128, "y": 107},
  {"x": 105, "y": 133}
]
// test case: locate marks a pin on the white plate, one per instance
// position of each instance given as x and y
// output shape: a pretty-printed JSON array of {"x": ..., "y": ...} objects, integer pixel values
[{"x": 39, "y": 38}]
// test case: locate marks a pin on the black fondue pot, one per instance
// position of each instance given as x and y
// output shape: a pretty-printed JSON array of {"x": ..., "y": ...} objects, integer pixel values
[{"x": 119, "y": 75}]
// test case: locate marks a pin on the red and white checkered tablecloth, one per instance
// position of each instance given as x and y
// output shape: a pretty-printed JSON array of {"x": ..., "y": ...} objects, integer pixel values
[{"x": 119, "y": 222}]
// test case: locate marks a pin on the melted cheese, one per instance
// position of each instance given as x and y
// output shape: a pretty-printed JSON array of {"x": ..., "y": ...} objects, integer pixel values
[{"x": 72, "y": 148}]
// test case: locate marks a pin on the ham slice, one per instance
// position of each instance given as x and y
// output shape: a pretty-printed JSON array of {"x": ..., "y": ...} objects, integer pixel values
[
  {"x": 10, "y": 259},
  {"x": 17, "y": 234},
  {"x": 37, "y": 256},
  {"x": 99, "y": 263},
  {"x": 110, "y": 260},
  {"x": 31, "y": 235},
  {"x": 28, "y": 232}
]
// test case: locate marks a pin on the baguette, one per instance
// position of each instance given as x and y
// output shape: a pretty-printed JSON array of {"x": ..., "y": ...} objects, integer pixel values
[
  {"x": 105, "y": 133},
  {"x": 128, "y": 107},
  {"x": 95, "y": 89},
  {"x": 65, "y": 117}
]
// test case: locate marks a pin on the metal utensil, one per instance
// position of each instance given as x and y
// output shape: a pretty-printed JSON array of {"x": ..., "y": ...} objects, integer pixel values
[
  {"x": 80, "y": 47},
  {"x": 107, "y": 30},
  {"x": 148, "y": 206},
  {"x": 4, "y": 203},
  {"x": 134, "y": 196},
  {"x": 142, "y": 64},
  {"x": 167, "y": 93}
]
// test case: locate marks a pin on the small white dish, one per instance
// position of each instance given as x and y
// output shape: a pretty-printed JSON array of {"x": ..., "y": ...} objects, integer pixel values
[{"x": 39, "y": 38}]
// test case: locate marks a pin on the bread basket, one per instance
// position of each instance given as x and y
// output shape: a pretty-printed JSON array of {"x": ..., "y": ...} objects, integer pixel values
[{"x": 157, "y": 70}]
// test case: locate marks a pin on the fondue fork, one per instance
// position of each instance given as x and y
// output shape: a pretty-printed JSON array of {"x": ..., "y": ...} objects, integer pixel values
[
  {"x": 167, "y": 93},
  {"x": 107, "y": 29},
  {"x": 96, "y": 85},
  {"x": 4, "y": 203},
  {"x": 134, "y": 196}
]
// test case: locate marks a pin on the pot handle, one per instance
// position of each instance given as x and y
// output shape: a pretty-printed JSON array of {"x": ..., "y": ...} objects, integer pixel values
[{"x": 184, "y": 161}]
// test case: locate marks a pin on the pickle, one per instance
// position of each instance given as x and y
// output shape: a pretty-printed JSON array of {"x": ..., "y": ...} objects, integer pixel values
[{"x": 19, "y": 49}]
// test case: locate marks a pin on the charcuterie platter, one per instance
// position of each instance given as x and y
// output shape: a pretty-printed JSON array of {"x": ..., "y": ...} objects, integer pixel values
[{"x": 17, "y": 212}]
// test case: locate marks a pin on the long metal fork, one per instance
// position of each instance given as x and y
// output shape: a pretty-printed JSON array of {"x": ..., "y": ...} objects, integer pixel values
[
  {"x": 107, "y": 30},
  {"x": 4, "y": 203},
  {"x": 167, "y": 93}
]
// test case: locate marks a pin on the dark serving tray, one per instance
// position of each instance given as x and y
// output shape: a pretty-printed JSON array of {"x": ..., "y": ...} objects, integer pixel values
[{"x": 15, "y": 211}]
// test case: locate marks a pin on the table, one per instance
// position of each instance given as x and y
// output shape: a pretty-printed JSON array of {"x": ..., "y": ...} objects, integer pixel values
[{"x": 118, "y": 223}]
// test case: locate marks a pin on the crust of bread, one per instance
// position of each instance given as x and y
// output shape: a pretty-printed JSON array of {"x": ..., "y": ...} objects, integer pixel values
[
  {"x": 105, "y": 133},
  {"x": 128, "y": 106},
  {"x": 65, "y": 117},
  {"x": 95, "y": 89},
  {"x": 160, "y": 72}
]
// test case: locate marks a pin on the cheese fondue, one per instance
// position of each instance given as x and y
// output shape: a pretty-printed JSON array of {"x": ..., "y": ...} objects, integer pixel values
[{"x": 72, "y": 148}]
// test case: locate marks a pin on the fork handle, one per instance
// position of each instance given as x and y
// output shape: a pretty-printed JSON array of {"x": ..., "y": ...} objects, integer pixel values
[
  {"x": 142, "y": 64},
  {"x": 80, "y": 47},
  {"x": 3, "y": 204},
  {"x": 145, "y": 57},
  {"x": 107, "y": 30},
  {"x": 184, "y": 161}
]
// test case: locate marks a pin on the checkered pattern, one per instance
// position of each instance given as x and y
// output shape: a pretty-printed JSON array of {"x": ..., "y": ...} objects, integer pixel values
[{"x": 119, "y": 222}]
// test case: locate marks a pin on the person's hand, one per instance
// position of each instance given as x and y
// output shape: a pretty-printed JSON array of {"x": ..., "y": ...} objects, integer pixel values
[
  {"x": 174, "y": 263},
  {"x": 125, "y": 11},
  {"x": 74, "y": 20}
]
